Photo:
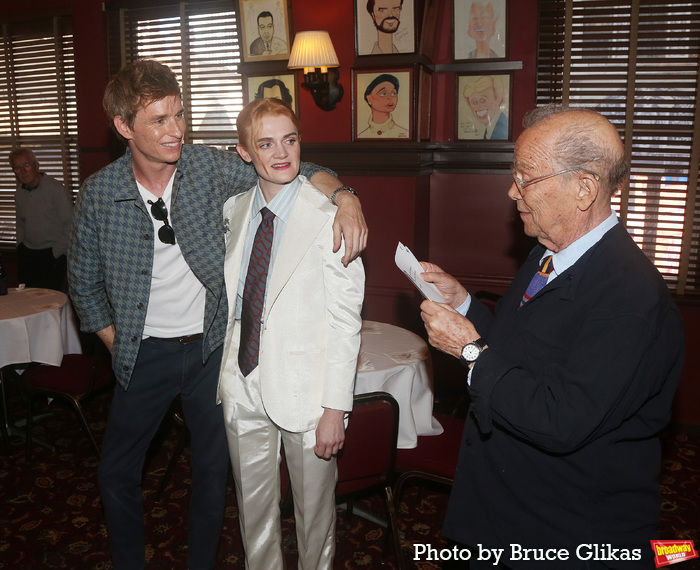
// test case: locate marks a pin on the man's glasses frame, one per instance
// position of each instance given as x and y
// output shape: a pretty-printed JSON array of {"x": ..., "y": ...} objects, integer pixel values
[
  {"x": 522, "y": 184},
  {"x": 159, "y": 211},
  {"x": 28, "y": 166}
]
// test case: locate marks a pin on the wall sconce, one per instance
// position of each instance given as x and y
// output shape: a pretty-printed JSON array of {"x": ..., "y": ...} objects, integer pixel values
[{"x": 314, "y": 52}]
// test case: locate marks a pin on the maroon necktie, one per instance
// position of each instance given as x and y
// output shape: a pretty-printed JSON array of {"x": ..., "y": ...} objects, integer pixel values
[{"x": 254, "y": 294}]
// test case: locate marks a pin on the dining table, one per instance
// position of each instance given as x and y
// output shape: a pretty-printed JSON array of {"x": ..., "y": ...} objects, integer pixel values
[
  {"x": 395, "y": 360},
  {"x": 36, "y": 326}
]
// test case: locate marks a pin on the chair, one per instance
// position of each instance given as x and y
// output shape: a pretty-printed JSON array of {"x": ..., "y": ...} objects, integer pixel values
[
  {"x": 433, "y": 459},
  {"x": 368, "y": 455},
  {"x": 77, "y": 378}
]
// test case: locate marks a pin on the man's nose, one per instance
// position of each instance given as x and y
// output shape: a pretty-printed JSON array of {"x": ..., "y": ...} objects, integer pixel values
[{"x": 514, "y": 192}]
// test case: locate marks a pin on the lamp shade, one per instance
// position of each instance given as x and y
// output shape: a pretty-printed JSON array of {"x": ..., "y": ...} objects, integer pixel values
[{"x": 312, "y": 49}]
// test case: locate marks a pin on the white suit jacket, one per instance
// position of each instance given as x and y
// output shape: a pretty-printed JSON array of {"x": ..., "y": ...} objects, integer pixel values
[{"x": 310, "y": 337}]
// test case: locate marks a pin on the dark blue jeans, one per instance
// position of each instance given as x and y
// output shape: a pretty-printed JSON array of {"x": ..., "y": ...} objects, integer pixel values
[{"x": 162, "y": 371}]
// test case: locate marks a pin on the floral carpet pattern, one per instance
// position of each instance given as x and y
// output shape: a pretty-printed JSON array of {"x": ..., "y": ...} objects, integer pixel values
[{"x": 51, "y": 515}]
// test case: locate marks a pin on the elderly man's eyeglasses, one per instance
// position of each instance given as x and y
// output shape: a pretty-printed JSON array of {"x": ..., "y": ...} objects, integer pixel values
[
  {"x": 522, "y": 184},
  {"x": 159, "y": 211},
  {"x": 27, "y": 167}
]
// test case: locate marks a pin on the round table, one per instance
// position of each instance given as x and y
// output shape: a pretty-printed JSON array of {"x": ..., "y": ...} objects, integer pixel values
[
  {"x": 397, "y": 361},
  {"x": 36, "y": 325}
]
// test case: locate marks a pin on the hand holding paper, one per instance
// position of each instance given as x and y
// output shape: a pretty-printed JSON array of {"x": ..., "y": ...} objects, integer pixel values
[{"x": 407, "y": 262}]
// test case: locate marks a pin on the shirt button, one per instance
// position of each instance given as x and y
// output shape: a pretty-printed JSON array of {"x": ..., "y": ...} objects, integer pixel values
[
  {"x": 134, "y": 339},
  {"x": 146, "y": 236},
  {"x": 125, "y": 368},
  {"x": 139, "y": 306},
  {"x": 144, "y": 272}
]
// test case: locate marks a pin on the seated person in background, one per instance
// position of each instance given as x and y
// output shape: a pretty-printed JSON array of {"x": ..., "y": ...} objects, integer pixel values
[{"x": 288, "y": 369}]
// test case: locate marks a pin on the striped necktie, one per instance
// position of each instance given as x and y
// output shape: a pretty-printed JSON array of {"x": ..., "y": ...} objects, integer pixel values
[
  {"x": 539, "y": 280},
  {"x": 254, "y": 293}
]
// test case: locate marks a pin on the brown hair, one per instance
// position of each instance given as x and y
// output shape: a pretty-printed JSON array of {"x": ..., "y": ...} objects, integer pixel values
[
  {"x": 249, "y": 119},
  {"x": 136, "y": 85}
]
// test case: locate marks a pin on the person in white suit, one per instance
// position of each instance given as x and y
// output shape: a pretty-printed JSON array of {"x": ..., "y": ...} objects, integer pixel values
[{"x": 300, "y": 391}]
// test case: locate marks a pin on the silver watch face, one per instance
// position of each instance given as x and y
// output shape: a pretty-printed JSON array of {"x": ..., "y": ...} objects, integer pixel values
[{"x": 471, "y": 352}]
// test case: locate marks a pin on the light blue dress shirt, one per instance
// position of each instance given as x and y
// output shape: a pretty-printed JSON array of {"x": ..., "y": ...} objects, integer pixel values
[{"x": 280, "y": 206}]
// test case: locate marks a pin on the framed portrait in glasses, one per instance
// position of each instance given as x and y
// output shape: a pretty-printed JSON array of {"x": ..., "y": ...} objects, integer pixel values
[
  {"x": 479, "y": 29},
  {"x": 483, "y": 107}
]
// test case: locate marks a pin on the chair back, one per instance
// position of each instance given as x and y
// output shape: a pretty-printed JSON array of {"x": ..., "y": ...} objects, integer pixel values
[{"x": 369, "y": 452}]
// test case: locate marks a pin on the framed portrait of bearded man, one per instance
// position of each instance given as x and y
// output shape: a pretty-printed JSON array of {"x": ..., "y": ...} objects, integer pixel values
[{"x": 385, "y": 27}]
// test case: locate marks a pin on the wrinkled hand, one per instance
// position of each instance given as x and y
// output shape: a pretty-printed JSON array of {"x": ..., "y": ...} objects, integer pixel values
[
  {"x": 448, "y": 331},
  {"x": 451, "y": 290},
  {"x": 350, "y": 223},
  {"x": 330, "y": 433}
]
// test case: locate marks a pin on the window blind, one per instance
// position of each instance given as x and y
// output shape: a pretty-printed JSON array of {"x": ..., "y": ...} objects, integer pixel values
[
  {"x": 37, "y": 106},
  {"x": 637, "y": 63},
  {"x": 198, "y": 41}
]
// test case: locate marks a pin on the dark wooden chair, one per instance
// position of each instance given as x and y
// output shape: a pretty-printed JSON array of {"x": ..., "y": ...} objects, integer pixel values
[
  {"x": 367, "y": 459},
  {"x": 77, "y": 378}
]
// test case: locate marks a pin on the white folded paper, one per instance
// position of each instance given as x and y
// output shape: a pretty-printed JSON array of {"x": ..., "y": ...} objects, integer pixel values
[{"x": 407, "y": 262}]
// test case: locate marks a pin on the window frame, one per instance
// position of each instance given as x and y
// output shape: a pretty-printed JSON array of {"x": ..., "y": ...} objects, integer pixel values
[{"x": 613, "y": 56}]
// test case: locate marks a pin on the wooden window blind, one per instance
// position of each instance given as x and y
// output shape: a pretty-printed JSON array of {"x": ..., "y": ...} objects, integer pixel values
[
  {"x": 37, "y": 106},
  {"x": 198, "y": 41},
  {"x": 636, "y": 62}
]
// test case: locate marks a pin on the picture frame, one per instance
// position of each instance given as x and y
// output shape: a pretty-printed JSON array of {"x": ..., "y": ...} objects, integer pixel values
[
  {"x": 377, "y": 103},
  {"x": 425, "y": 90},
  {"x": 400, "y": 38},
  {"x": 479, "y": 30},
  {"x": 265, "y": 30},
  {"x": 484, "y": 106},
  {"x": 283, "y": 86}
]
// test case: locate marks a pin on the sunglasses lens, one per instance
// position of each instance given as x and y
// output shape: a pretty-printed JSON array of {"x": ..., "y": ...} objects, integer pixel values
[
  {"x": 167, "y": 235},
  {"x": 159, "y": 211}
]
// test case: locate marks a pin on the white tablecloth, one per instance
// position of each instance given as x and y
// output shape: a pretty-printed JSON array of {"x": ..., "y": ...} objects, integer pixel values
[
  {"x": 36, "y": 325},
  {"x": 397, "y": 361}
]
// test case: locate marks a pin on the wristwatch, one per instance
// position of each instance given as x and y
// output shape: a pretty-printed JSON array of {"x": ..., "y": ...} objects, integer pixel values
[
  {"x": 471, "y": 351},
  {"x": 341, "y": 189}
]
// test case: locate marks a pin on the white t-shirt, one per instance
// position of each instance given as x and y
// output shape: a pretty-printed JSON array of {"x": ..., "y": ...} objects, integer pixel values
[{"x": 176, "y": 304}]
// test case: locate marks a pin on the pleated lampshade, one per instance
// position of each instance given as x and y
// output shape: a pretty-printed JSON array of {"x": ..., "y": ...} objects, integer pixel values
[{"x": 311, "y": 50}]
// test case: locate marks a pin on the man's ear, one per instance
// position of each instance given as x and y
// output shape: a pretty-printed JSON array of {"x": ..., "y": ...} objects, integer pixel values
[
  {"x": 122, "y": 128},
  {"x": 588, "y": 190},
  {"x": 243, "y": 153}
]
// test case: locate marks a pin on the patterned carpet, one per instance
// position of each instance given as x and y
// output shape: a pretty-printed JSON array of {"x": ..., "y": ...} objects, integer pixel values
[{"x": 51, "y": 517}]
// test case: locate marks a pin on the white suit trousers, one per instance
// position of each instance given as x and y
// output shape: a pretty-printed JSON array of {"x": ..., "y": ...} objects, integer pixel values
[{"x": 254, "y": 445}]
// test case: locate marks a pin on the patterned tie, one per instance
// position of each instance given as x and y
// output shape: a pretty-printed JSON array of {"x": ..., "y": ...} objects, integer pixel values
[
  {"x": 539, "y": 280},
  {"x": 254, "y": 294}
]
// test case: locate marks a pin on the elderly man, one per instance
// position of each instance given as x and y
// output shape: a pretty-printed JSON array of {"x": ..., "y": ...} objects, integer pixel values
[
  {"x": 573, "y": 378},
  {"x": 146, "y": 273},
  {"x": 44, "y": 209}
]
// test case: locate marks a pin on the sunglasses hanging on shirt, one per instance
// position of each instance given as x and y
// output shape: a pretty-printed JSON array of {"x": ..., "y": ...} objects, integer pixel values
[{"x": 159, "y": 211}]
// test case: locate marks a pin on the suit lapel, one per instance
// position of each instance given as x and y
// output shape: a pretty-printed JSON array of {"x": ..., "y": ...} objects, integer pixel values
[
  {"x": 304, "y": 223},
  {"x": 238, "y": 217}
]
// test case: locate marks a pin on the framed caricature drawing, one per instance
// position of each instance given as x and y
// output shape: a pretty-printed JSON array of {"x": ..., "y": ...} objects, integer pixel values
[
  {"x": 479, "y": 29},
  {"x": 384, "y": 27},
  {"x": 383, "y": 104},
  {"x": 483, "y": 107},
  {"x": 264, "y": 86},
  {"x": 265, "y": 33}
]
